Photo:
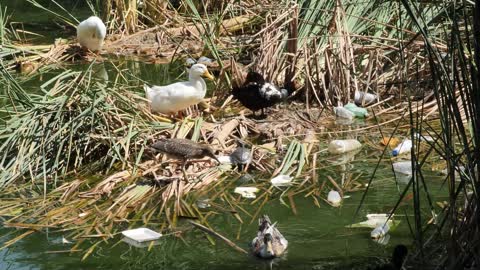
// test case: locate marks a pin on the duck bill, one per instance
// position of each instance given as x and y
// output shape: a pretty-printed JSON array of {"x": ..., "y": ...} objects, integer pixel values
[
  {"x": 270, "y": 248},
  {"x": 207, "y": 75},
  {"x": 215, "y": 157}
]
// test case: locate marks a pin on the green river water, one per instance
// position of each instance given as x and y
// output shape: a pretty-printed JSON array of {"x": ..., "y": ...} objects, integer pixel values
[{"x": 318, "y": 236}]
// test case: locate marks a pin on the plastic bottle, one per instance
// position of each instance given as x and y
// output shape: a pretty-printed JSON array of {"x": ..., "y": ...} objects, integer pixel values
[
  {"x": 403, "y": 147},
  {"x": 367, "y": 98},
  {"x": 334, "y": 198},
  {"x": 357, "y": 111},
  {"x": 424, "y": 138},
  {"x": 342, "y": 146},
  {"x": 380, "y": 231},
  {"x": 403, "y": 167},
  {"x": 343, "y": 113}
]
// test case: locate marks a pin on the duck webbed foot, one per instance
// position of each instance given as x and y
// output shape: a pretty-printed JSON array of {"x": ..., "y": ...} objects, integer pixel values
[{"x": 259, "y": 117}]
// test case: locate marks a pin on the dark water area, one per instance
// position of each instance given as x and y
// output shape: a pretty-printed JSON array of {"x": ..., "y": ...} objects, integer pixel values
[{"x": 46, "y": 26}]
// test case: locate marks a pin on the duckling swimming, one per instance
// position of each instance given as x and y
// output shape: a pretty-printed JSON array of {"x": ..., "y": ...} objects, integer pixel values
[
  {"x": 258, "y": 94},
  {"x": 269, "y": 242},
  {"x": 181, "y": 95},
  {"x": 91, "y": 33}
]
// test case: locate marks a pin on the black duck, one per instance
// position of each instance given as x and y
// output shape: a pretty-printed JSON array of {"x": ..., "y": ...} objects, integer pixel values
[{"x": 258, "y": 94}]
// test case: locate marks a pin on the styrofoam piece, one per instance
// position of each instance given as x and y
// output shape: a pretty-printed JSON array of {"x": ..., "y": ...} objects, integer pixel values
[
  {"x": 281, "y": 180},
  {"x": 247, "y": 192},
  {"x": 142, "y": 234}
]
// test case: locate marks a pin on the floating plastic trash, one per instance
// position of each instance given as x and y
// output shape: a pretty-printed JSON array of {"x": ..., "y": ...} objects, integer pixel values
[
  {"x": 363, "y": 97},
  {"x": 342, "y": 146},
  {"x": 403, "y": 167},
  {"x": 247, "y": 192},
  {"x": 375, "y": 220},
  {"x": 142, "y": 235},
  {"x": 140, "y": 244},
  {"x": 203, "y": 203},
  {"x": 65, "y": 241},
  {"x": 334, "y": 198},
  {"x": 382, "y": 240},
  {"x": 281, "y": 180},
  {"x": 357, "y": 111},
  {"x": 424, "y": 138},
  {"x": 403, "y": 147},
  {"x": 343, "y": 113},
  {"x": 380, "y": 231},
  {"x": 392, "y": 142}
]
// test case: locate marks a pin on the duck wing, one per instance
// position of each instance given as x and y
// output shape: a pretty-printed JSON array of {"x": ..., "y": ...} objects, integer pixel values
[
  {"x": 249, "y": 96},
  {"x": 272, "y": 94}
]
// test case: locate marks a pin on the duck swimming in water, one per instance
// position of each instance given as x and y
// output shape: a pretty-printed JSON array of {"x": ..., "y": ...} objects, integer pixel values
[
  {"x": 258, "y": 94},
  {"x": 181, "y": 95},
  {"x": 269, "y": 242},
  {"x": 91, "y": 33}
]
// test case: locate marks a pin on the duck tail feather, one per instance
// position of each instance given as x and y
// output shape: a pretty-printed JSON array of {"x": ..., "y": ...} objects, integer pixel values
[{"x": 264, "y": 220}]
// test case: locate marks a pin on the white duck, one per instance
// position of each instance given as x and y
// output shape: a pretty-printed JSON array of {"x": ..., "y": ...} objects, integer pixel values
[
  {"x": 91, "y": 33},
  {"x": 181, "y": 95}
]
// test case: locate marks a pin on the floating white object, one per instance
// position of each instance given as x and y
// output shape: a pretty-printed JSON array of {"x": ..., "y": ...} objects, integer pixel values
[
  {"x": 140, "y": 244},
  {"x": 203, "y": 203},
  {"x": 342, "y": 146},
  {"x": 334, "y": 198},
  {"x": 65, "y": 241},
  {"x": 424, "y": 138},
  {"x": 343, "y": 113},
  {"x": 380, "y": 231},
  {"x": 142, "y": 234},
  {"x": 403, "y": 147},
  {"x": 403, "y": 167},
  {"x": 373, "y": 221},
  {"x": 367, "y": 98},
  {"x": 281, "y": 180},
  {"x": 247, "y": 192},
  {"x": 382, "y": 240}
]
